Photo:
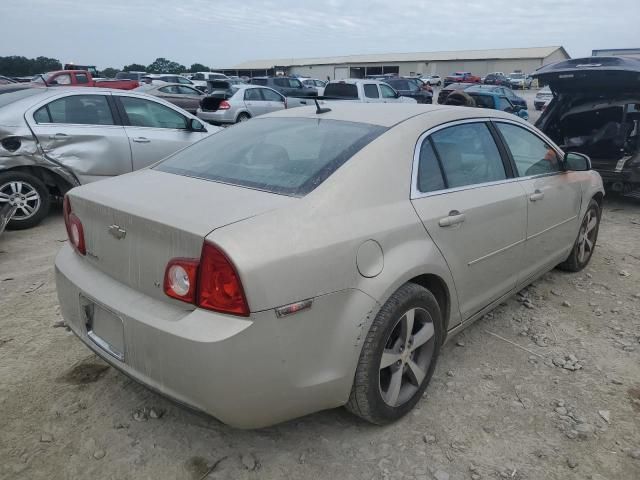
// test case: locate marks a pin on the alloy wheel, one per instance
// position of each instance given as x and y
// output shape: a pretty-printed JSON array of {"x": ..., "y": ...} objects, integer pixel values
[
  {"x": 587, "y": 235},
  {"x": 406, "y": 357},
  {"x": 21, "y": 195}
]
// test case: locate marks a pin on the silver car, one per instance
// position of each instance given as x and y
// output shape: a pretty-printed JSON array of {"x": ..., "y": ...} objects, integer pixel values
[
  {"x": 54, "y": 139},
  {"x": 329, "y": 255},
  {"x": 240, "y": 104}
]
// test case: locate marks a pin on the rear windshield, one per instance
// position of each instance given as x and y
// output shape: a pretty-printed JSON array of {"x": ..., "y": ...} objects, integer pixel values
[
  {"x": 341, "y": 90},
  {"x": 289, "y": 156}
]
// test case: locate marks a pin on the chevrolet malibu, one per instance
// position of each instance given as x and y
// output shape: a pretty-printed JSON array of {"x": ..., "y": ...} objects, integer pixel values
[{"x": 310, "y": 259}]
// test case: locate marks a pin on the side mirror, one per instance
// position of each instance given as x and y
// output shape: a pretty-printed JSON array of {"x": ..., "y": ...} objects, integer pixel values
[
  {"x": 577, "y": 162},
  {"x": 196, "y": 125},
  {"x": 397, "y": 95}
]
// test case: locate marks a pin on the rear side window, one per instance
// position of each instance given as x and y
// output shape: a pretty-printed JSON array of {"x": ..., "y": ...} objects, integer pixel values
[
  {"x": 430, "y": 178},
  {"x": 341, "y": 90},
  {"x": 290, "y": 156},
  {"x": 400, "y": 84},
  {"x": 370, "y": 90},
  {"x": 76, "y": 109},
  {"x": 468, "y": 155},
  {"x": 82, "y": 78},
  {"x": 259, "y": 81},
  {"x": 252, "y": 94},
  {"x": 281, "y": 82}
]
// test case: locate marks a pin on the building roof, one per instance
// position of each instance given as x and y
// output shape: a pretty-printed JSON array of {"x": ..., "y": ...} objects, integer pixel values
[{"x": 493, "y": 54}]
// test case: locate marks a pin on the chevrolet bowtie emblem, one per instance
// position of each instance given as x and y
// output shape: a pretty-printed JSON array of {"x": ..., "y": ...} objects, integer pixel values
[{"x": 117, "y": 232}]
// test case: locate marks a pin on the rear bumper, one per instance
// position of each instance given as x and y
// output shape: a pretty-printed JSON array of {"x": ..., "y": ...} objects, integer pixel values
[
  {"x": 219, "y": 116},
  {"x": 247, "y": 372}
]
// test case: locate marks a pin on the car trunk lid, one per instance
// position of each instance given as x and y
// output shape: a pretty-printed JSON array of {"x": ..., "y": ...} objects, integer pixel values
[
  {"x": 584, "y": 74},
  {"x": 133, "y": 226}
]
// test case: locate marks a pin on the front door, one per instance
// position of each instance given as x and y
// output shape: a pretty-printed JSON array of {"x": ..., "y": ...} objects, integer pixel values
[
  {"x": 273, "y": 100},
  {"x": 80, "y": 132},
  {"x": 473, "y": 211},
  {"x": 154, "y": 130},
  {"x": 553, "y": 198}
]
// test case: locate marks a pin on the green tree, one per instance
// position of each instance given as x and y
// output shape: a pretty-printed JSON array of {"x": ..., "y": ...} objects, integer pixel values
[
  {"x": 109, "y": 72},
  {"x": 134, "y": 67},
  {"x": 198, "y": 67},
  {"x": 17, "y": 66},
  {"x": 162, "y": 65}
]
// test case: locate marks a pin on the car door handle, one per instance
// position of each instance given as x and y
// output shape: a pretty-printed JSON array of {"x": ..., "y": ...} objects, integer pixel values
[
  {"x": 140, "y": 140},
  {"x": 249, "y": 104},
  {"x": 536, "y": 195},
  {"x": 58, "y": 136},
  {"x": 454, "y": 218}
]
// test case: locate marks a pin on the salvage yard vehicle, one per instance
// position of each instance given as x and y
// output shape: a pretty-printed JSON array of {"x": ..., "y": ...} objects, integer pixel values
[
  {"x": 461, "y": 77},
  {"x": 444, "y": 93},
  {"x": 432, "y": 80},
  {"x": 200, "y": 79},
  {"x": 338, "y": 249},
  {"x": 184, "y": 96},
  {"x": 239, "y": 104},
  {"x": 287, "y": 86},
  {"x": 489, "y": 98},
  {"x": 53, "y": 139},
  {"x": 543, "y": 97},
  {"x": 504, "y": 91},
  {"x": 520, "y": 81},
  {"x": 496, "y": 79},
  {"x": 595, "y": 109},
  {"x": 411, "y": 88},
  {"x": 364, "y": 91},
  {"x": 80, "y": 78},
  {"x": 314, "y": 83}
]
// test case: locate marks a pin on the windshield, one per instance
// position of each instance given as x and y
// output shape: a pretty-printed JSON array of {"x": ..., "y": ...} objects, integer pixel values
[
  {"x": 290, "y": 156},
  {"x": 517, "y": 76}
]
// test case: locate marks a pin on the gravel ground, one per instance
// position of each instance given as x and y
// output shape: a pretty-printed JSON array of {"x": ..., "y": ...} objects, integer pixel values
[{"x": 556, "y": 397}]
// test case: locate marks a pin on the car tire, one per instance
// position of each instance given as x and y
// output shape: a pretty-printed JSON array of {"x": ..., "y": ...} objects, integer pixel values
[
  {"x": 373, "y": 396},
  {"x": 587, "y": 235},
  {"x": 26, "y": 185},
  {"x": 438, "y": 84},
  {"x": 243, "y": 117}
]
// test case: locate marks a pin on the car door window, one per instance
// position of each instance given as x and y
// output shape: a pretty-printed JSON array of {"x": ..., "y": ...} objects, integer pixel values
[
  {"x": 76, "y": 109},
  {"x": 430, "y": 178},
  {"x": 531, "y": 154},
  {"x": 387, "y": 92},
  {"x": 271, "y": 96},
  {"x": 184, "y": 90},
  {"x": 82, "y": 78},
  {"x": 146, "y": 113},
  {"x": 253, "y": 95},
  {"x": 170, "y": 89},
  {"x": 503, "y": 104},
  {"x": 62, "y": 79},
  {"x": 183, "y": 81},
  {"x": 371, "y": 90},
  {"x": 468, "y": 155}
]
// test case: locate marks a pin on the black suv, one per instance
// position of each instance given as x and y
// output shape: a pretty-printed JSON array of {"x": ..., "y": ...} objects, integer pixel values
[
  {"x": 287, "y": 86},
  {"x": 496, "y": 79},
  {"x": 412, "y": 88}
]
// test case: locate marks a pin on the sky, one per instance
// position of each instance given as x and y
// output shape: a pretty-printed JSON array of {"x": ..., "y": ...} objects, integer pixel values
[{"x": 222, "y": 33}]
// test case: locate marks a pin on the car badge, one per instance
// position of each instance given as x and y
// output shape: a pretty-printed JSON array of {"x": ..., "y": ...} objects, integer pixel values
[{"x": 117, "y": 232}]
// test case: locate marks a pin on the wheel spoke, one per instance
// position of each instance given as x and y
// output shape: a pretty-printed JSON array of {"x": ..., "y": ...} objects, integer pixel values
[
  {"x": 389, "y": 357},
  {"x": 422, "y": 336},
  {"x": 25, "y": 210},
  {"x": 16, "y": 187},
  {"x": 415, "y": 373},
  {"x": 32, "y": 196},
  {"x": 589, "y": 243},
  {"x": 592, "y": 224},
  {"x": 407, "y": 325},
  {"x": 393, "y": 392},
  {"x": 581, "y": 252}
]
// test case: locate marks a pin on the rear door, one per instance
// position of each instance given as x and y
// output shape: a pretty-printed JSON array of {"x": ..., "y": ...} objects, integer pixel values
[
  {"x": 464, "y": 193},
  {"x": 254, "y": 102},
  {"x": 154, "y": 130},
  {"x": 371, "y": 93},
  {"x": 388, "y": 94},
  {"x": 83, "y": 132},
  {"x": 553, "y": 197}
]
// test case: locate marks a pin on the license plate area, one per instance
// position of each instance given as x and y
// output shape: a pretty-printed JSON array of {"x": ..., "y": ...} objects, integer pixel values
[{"x": 104, "y": 328}]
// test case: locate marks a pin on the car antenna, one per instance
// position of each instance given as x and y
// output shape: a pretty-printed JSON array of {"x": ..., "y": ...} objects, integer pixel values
[{"x": 320, "y": 110}]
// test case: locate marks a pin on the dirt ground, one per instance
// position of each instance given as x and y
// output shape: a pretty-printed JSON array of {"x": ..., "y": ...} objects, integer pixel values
[{"x": 496, "y": 408}]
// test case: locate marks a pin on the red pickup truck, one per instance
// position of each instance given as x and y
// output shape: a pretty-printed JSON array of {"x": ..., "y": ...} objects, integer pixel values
[
  {"x": 81, "y": 78},
  {"x": 461, "y": 77}
]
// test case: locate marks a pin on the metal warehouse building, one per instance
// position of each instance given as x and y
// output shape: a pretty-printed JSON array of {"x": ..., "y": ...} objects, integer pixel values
[
  {"x": 479, "y": 62},
  {"x": 615, "y": 52}
]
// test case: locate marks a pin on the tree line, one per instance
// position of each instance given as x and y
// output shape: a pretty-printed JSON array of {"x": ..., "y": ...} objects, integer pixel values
[{"x": 17, "y": 66}]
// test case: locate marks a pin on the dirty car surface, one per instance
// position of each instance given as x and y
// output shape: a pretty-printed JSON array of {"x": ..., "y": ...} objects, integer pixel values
[
  {"x": 309, "y": 280},
  {"x": 54, "y": 139},
  {"x": 596, "y": 110}
]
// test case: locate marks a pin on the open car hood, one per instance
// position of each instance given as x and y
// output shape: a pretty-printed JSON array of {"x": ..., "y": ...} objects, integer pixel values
[{"x": 601, "y": 73}]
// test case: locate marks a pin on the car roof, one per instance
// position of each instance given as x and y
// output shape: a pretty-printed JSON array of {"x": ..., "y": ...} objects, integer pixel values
[{"x": 383, "y": 114}]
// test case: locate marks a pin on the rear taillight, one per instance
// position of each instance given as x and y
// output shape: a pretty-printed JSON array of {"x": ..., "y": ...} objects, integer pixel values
[
  {"x": 74, "y": 227},
  {"x": 180, "y": 279},
  {"x": 224, "y": 105},
  {"x": 219, "y": 286},
  {"x": 211, "y": 283}
]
